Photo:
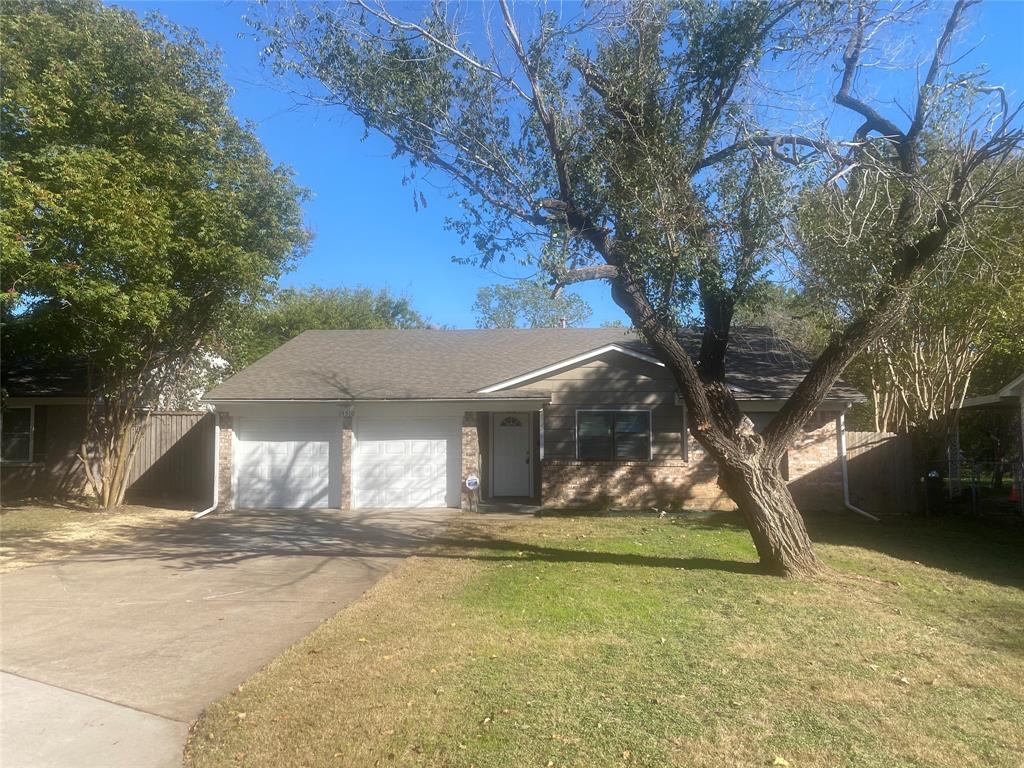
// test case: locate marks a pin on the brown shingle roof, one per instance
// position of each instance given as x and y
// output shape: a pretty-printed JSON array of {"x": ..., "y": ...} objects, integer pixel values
[{"x": 435, "y": 364}]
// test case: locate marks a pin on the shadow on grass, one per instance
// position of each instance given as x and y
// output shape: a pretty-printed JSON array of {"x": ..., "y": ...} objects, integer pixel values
[
  {"x": 32, "y": 502},
  {"x": 979, "y": 548},
  {"x": 494, "y": 548},
  {"x": 230, "y": 538}
]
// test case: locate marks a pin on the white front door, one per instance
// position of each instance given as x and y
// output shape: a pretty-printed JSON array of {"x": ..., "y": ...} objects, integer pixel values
[{"x": 510, "y": 454}]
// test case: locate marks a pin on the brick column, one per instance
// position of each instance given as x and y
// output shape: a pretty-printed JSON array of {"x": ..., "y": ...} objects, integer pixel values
[
  {"x": 346, "y": 459},
  {"x": 470, "y": 454},
  {"x": 225, "y": 460}
]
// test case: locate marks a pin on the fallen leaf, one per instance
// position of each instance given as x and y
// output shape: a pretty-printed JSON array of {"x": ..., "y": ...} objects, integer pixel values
[{"x": 780, "y": 761}]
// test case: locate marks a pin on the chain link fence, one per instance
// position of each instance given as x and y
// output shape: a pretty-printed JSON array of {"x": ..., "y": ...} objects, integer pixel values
[{"x": 967, "y": 486}]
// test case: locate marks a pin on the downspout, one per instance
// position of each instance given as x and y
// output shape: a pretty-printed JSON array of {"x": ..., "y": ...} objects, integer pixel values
[
  {"x": 216, "y": 463},
  {"x": 846, "y": 472}
]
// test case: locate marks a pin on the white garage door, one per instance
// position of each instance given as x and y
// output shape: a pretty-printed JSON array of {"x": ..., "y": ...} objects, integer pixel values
[
  {"x": 402, "y": 463},
  {"x": 283, "y": 463}
]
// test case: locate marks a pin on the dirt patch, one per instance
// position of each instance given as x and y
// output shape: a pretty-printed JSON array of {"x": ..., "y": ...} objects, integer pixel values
[{"x": 33, "y": 535}]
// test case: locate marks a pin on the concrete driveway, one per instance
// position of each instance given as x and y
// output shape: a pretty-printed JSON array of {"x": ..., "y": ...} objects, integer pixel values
[{"x": 109, "y": 654}]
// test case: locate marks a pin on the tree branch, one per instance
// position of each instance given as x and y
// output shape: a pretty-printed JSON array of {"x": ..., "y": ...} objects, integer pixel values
[
  {"x": 773, "y": 143},
  {"x": 582, "y": 275},
  {"x": 873, "y": 119}
]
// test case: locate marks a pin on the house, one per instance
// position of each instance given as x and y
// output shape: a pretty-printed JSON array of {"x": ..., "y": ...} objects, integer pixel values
[
  {"x": 44, "y": 421},
  {"x": 42, "y": 425},
  {"x": 559, "y": 417}
]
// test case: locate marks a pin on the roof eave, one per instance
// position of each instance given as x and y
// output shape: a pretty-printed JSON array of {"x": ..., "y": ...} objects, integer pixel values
[{"x": 541, "y": 399}]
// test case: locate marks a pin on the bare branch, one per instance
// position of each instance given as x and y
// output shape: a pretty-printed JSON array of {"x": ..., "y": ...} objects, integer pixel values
[
  {"x": 390, "y": 20},
  {"x": 924, "y": 92},
  {"x": 873, "y": 119},
  {"x": 584, "y": 274},
  {"x": 773, "y": 143}
]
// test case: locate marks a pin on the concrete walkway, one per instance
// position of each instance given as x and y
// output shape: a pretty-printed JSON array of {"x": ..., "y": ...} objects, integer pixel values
[{"x": 111, "y": 652}]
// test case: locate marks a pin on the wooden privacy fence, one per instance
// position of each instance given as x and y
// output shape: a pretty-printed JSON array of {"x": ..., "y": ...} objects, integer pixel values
[
  {"x": 881, "y": 468},
  {"x": 174, "y": 461}
]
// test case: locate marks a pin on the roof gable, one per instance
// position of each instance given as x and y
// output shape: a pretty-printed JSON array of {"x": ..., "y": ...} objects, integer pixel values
[{"x": 569, "y": 363}]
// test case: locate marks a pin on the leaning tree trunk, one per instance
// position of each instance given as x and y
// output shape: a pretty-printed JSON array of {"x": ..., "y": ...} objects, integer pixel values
[
  {"x": 746, "y": 471},
  {"x": 774, "y": 522}
]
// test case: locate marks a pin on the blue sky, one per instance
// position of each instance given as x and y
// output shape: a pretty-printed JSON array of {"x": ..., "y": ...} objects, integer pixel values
[{"x": 366, "y": 229}]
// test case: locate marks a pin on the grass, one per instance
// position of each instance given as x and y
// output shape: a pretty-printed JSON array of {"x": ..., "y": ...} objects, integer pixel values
[
  {"x": 608, "y": 641},
  {"x": 31, "y": 534}
]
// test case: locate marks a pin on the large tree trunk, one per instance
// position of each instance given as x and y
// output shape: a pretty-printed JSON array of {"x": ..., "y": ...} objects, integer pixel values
[
  {"x": 748, "y": 472},
  {"x": 775, "y": 524}
]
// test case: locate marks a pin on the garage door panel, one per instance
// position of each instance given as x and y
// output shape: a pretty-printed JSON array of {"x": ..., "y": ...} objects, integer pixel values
[
  {"x": 284, "y": 463},
  {"x": 402, "y": 463}
]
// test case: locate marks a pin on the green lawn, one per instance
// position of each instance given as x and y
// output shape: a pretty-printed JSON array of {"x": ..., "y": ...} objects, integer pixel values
[{"x": 606, "y": 641}]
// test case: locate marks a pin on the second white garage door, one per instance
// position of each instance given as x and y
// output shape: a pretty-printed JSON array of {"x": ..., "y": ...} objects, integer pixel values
[{"x": 403, "y": 463}]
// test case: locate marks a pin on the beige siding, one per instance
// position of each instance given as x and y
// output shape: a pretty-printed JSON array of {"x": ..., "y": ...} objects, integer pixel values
[{"x": 613, "y": 381}]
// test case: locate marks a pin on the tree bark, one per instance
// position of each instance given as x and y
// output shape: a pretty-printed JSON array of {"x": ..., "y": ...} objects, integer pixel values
[
  {"x": 750, "y": 475},
  {"x": 771, "y": 515}
]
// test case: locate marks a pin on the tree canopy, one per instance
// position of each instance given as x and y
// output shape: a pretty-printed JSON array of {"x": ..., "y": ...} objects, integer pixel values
[
  {"x": 136, "y": 212},
  {"x": 528, "y": 304},
  {"x": 290, "y": 311}
]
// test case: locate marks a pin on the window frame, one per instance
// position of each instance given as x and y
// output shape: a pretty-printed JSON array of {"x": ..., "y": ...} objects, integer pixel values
[
  {"x": 31, "y": 433},
  {"x": 612, "y": 458}
]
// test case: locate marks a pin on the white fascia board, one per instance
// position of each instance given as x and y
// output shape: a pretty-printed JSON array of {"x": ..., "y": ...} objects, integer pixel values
[
  {"x": 568, "y": 363},
  {"x": 469, "y": 403}
]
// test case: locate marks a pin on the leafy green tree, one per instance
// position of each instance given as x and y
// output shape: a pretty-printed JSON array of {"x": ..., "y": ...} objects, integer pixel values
[
  {"x": 962, "y": 310},
  {"x": 789, "y": 311},
  {"x": 291, "y": 311},
  {"x": 645, "y": 144},
  {"x": 136, "y": 211},
  {"x": 528, "y": 304}
]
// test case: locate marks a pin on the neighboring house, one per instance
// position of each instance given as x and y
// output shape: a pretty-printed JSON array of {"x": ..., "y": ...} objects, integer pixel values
[
  {"x": 43, "y": 423},
  {"x": 41, "y": 428},
  {"x": 1010, "y": 398},
  {"x": 559, "y": 417}
]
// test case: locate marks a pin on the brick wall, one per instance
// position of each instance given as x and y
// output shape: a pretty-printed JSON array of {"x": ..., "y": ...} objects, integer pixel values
[
  {"x": 470, "y": 454},
  {"x": 632, "y": 484},
  {"x": 225, "y": 459},
  {"x": 815, "y": 476}
]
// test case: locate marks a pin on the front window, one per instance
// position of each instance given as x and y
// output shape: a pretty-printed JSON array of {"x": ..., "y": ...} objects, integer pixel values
[
  {"x": 16, "y": 434},
  {"x": 613, "y": 435}
]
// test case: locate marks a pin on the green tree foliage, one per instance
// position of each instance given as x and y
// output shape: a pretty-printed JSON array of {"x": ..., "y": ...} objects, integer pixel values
[
  {"x": 661, "y": 147},
  {"x": 291, "y": 311},
  {"x": 789, "y": 311},
  {"x": 528, "y": 304},
  {"x": 964, "y": 314},
  {"x": 136, "y": 211}
]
